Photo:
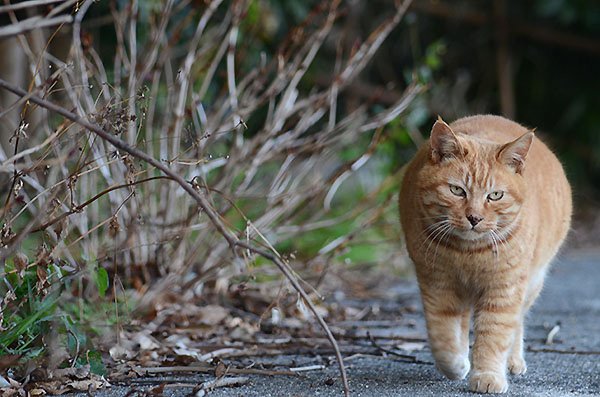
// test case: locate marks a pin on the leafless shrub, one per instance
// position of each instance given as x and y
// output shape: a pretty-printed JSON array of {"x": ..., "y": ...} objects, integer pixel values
[{"x": 258, "y": 145}]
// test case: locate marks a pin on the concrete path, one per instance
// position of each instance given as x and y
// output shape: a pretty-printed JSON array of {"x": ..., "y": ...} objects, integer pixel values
[{"x": 568, "y": 367}]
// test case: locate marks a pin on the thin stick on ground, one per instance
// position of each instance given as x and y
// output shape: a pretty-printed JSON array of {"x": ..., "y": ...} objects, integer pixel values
[{"x": 211, "y": 369}]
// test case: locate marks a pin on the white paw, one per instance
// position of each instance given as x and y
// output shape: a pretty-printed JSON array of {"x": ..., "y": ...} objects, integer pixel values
[
  {"x": 488, "y": 382},
  {"x": 452, "y": 366},
  {"x": 516, "y": 365}
]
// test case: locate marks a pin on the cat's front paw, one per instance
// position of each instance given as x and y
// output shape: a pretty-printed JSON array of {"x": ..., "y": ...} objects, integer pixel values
[
  {"x": 488, "y": 382},
  {"x": 516, "y": 365},
  {"x": 453, "y": 366}
]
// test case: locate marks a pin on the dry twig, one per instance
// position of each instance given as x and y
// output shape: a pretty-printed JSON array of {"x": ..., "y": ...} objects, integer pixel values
[{"x": 211, "y": 369}]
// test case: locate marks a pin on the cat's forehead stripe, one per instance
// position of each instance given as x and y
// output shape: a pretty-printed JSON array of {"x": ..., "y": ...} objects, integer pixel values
[{"x": 478, "y": 176}]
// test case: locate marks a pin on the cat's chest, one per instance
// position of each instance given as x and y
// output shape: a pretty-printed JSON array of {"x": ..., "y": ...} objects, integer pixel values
[{"x": 478, "y": 258}]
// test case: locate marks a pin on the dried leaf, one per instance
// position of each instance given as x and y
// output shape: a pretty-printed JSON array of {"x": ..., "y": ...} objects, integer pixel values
[
  {"x": 42, "y": 256},
  {"x": 6, "y": 234},
  {"x": 276, "y": 315},
  {"x": 8, "y": 392},
  {"x": 114, "y": 227},
  {"x": 184, "y": 351},
  {"x": 78, "y": 373},
  {"x": 144, "y": 342},
  {"x": 20, "y": 262},
  {"x": 59, "y": 227},
  {"x": 221, "y": 369},
  {"x": 2, "y": 328},
  {"x": 12, "y": 389},
  {"x": 213, "y": 314},
  {"x": 304, "y": 312},
  {"x": 42, "y": 278},
  {"x": 8, "y": 361},
  {"x": 9, "y": 297},
  {"x": 87, "y": 385},
  {"x": 118, "y": 353},
  {"x": 158, "y": 390},
  {"x": 92, "y": 383}
]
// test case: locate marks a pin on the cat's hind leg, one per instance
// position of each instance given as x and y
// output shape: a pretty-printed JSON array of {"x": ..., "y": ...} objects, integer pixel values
[{"x": 516, "y": 361}]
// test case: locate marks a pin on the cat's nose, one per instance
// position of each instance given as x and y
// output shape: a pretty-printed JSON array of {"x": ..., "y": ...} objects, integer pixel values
[{"x": 474, "y": 219}]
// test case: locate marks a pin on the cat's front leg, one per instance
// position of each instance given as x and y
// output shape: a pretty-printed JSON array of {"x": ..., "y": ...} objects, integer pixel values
[
  {"x": 496, "y": 320},
  {"x": 448, "y": 329}
]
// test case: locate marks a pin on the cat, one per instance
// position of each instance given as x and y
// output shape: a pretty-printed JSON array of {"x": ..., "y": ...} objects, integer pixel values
[{"x": 484, "y": 207}]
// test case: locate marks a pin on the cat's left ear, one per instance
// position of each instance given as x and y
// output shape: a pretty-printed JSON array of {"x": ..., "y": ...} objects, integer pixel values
[{"x": 514, "y": 153}]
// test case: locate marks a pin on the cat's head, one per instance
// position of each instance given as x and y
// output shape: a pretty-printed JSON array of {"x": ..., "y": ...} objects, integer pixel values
[{"x": 472, "y": 188}]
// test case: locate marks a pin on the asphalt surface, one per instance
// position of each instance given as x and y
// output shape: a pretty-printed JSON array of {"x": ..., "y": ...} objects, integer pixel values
[{"x": 568, "y": 367}]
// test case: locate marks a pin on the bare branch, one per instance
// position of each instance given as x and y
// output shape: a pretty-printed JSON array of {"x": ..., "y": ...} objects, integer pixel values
[
  {"x": 27, "y": 4},
  {"x": 202, "y": 202},
  {"x": 33, "y": 23}
]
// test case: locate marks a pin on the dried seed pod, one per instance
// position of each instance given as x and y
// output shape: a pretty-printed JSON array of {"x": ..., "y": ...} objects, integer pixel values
[
  {"x": 21, "y": 261},
  {"x": 6, "y": 234},
  {"x": 43, "y": 257},
  {"x": 42, "y": 279},
  {"x": 59, "y": 227},
  {"x": 113, "y": 228}
]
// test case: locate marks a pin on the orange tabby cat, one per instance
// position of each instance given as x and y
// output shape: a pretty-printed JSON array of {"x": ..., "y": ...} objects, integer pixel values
[{"x": 484, "y": 207}]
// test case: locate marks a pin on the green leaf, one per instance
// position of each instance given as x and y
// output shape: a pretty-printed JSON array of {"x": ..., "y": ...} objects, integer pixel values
[
  {"x": 26, "y": 324},
  {"x": 102, "y": 281},
  {"x": 96, "y": 365}
]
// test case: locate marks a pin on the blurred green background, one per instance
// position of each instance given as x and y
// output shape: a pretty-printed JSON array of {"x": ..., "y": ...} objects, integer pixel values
[{"x": 537, "y": 62}]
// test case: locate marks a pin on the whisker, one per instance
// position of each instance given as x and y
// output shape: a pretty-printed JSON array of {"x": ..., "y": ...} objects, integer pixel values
[
  {"x": 494, "y": 238},
  {"x": 501, "y": 240},
  {"x": 504, "y": 234},
  {"x": 439, "y": 232},
  {"x": 446, "y": 233},
  {"x": 432, "y": 227}
]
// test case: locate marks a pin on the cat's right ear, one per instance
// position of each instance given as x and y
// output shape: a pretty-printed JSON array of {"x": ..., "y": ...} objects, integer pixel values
[{"x": 444, "y": 142}]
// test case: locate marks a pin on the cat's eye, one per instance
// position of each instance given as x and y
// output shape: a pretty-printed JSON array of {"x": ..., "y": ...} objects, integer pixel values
[
  {"x": 495, "y": 196},
  {"x": 457, "y": 190}
]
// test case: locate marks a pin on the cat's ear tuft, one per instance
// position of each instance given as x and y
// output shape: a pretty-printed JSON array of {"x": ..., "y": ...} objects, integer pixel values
[
  {"x": 514, "y": 153},
  {"x": 444, "y": 142}
]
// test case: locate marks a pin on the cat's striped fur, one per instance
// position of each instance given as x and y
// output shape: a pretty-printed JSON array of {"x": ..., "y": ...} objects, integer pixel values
[{"x": 485, "y": 207}]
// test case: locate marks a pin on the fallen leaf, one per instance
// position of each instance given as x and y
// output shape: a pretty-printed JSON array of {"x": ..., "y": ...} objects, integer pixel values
[
  {"x": 8, "y": 361},
  {"x": 78, "y": 373},
  {"x": 213, "y": 314},
  {"x": 118, "y": 352},
  {"x": 144, "y": 342},
  {"x": 221, "y": 369},
  {"x": 92, "y": 383}
]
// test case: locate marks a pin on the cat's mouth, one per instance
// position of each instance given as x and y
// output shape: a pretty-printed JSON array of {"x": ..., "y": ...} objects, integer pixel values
[{"x": 471, "y": 234}]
